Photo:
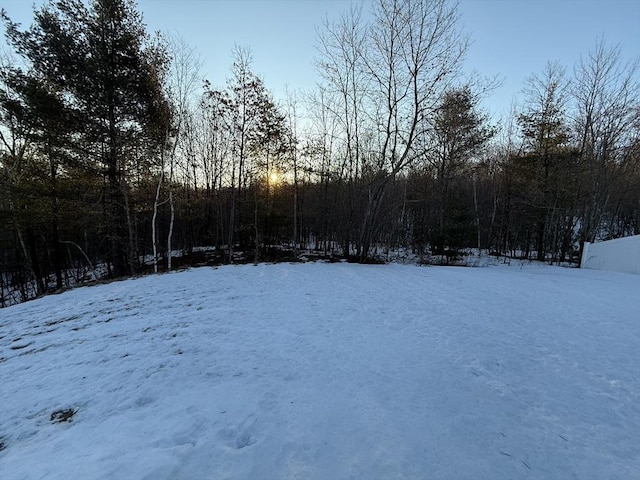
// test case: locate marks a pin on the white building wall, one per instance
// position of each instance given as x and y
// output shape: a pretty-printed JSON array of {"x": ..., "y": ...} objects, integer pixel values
[{"x": 619, "y": 255}]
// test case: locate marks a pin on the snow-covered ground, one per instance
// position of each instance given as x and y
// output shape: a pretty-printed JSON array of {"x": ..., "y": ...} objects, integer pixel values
[{"x": 327, "y": 371}]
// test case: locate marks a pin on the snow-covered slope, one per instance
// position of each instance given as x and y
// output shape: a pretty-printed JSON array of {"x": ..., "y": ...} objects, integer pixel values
[{"x": 327, "y": 371}]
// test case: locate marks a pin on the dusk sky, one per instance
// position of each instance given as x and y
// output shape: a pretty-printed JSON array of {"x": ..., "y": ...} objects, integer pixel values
[{"x": 511, "y": 38}]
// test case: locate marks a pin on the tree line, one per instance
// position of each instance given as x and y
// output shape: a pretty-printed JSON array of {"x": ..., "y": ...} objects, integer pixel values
[{"x": 117, "y": 159}]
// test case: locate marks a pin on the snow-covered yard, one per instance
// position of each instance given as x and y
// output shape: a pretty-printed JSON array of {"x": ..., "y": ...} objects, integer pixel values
[{"x": 326, "y": 371}]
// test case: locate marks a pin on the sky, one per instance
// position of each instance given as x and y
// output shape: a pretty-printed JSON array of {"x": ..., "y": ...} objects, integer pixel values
[{"x": 512, "y": 39}]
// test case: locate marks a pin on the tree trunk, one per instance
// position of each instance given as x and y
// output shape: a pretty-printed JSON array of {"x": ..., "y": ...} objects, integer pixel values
[
  {"x": 371, "y": 219},
  {"x": 295, "y": 208},
  {"x": 131, "y": 248},
  {"x": 115, "y": 217},
  {"x": 256, "y": 252},
  {"x": 170, "y": 234},
  {"x": 154, "y": 222},
  {"x": 35, "y": 263},
  {"x": 475, "y": 206},
  {"x": 57, "y": 247}
]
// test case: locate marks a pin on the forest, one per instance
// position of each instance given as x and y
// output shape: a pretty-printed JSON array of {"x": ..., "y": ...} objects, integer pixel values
[{"x": 117, "y": 158}]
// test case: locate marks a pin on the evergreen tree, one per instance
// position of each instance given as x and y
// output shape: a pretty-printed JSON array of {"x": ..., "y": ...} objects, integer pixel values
[
  {"x": 460, "y": 133},
  {"x": 99, "y": 61},
  {"x": 546, "y": 133}
]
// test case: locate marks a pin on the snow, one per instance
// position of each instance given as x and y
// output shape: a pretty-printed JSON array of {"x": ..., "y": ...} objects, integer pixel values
[{"x": 327, "y": 371}]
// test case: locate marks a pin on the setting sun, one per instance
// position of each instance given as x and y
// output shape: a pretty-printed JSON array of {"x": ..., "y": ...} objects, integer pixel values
[{"x": 274, "y": 177}]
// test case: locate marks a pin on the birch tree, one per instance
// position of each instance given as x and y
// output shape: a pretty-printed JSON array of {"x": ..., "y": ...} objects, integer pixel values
[{"x": 181, "y": 85}]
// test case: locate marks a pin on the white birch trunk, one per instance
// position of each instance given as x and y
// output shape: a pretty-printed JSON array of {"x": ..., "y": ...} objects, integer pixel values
[{"x": 154, "y": 221}]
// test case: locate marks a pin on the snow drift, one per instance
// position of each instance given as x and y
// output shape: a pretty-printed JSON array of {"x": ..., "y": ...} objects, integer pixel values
[{"x": 618, "y": 255}]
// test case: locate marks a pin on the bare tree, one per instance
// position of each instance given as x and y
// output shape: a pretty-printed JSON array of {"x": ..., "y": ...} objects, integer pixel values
[
  {"x": 249, "y": 114},
  {"x": 607, "y": 98},
  {"x": 341, "y": 48},
  {"x": 215, "y": 145},
  {"x": 399, "y": 65},
  {"x": 181, "y": 85},
  {"x": 319, "y": 152},
  {"x": 292, "y": 121}
]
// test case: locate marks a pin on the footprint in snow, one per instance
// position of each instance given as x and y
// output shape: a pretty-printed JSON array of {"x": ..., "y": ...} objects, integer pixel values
[{"x": 241, "y": 436}]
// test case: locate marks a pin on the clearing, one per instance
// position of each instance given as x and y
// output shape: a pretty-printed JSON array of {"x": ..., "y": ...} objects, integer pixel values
[{"x": 326, "y": 371}]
